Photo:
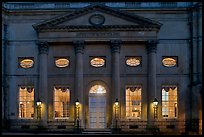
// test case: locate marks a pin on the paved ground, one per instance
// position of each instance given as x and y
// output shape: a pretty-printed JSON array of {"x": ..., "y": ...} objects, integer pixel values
[{"x": 17, "y": 133}]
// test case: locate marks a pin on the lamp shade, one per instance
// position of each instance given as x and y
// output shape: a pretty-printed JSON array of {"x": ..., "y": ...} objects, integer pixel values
[
  {"x": 39, "y": 102},
  {"x": 116, "y": 102},
  {"x": 155, "y": 102},
  {"x": 77, "y": 102}
]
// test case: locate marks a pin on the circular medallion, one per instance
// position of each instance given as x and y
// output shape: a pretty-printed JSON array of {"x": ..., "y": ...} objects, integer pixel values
[{"x": 97, "y": 19}]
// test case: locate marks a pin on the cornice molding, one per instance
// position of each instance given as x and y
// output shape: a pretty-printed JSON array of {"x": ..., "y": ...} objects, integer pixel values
[
  {"x": 86, "y": 27},
  {"x": 52, "y": 23}
]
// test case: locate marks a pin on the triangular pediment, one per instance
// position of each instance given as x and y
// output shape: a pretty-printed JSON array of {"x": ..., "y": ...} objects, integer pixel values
[{"x": 97, "y": 17}]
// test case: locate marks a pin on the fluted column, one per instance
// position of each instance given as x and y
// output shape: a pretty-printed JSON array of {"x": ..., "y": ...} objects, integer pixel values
[
  {"x": 151, "y": 86},
  {"x": 79, "y": 90},
  {"x": 43, "y": 90},
  {"x": 115, "y": 49}
]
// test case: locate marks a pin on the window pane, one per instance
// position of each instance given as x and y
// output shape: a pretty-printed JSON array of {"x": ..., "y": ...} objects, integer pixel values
[
  {"x": 62, "y": 102},
  {"x": 26, "y": 102},
  {"x": 133, "y": 101},
  {"x": 97, "y": 62},
  {"x": 169, "y": 101}
]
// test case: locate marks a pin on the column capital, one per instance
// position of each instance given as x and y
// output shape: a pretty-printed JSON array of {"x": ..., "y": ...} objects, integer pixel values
[
  {"x": 43, "y": 47},
  {"x": 151, "y": 46},
  {"x": 79, "y": 46},
  {"x": 115, "y": 45}
]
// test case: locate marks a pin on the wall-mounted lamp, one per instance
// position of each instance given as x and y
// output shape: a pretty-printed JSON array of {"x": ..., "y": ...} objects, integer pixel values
[
  {"x": 38, "y": 103},
  {"x": 77, "y": 113},
  {"x": 116, "y": 102},
  {"x": 116, "y": 113},
  {"x": 77, "y": 102},
  {"x": 155, "y": 103}
]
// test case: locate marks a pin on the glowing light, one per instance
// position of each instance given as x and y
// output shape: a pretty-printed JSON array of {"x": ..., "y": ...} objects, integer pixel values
[
  {"x": 97, "y": 89},
  {"x": 169, "y": 62},
  {"x": 62, "y": 62},
  {"x": 26, "y": 63},
  {"x": 97, "y": 62},
  {"x": 133, "y": 61}
]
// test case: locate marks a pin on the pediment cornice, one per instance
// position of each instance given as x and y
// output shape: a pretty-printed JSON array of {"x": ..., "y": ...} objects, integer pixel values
[{"x": 141, "y": 23}]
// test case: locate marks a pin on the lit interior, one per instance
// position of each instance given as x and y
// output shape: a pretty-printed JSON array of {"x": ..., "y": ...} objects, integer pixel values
[
  {"x": 97, "y": 89},
  {"x": 133, "y": 102},
  {"x": 97, "y": 62},
  {"x": 26, "y": 63},
  {"x": 169, "y": 62},
  {"x": 169, "y": 102},
  {"x": 62, "y": 62},
  {"x": 133, "y": 61},
  {"x": 61, "y": 102},
  {"x": 26, "y": 102}
]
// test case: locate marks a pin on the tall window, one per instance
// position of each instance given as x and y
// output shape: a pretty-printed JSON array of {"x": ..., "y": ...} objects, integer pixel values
[
  {"x": 26, "y": 102},
  {"x": 169, "y": 101},
  {"x": 133, "y": 101},
  {"x": 61, "y": 102}
]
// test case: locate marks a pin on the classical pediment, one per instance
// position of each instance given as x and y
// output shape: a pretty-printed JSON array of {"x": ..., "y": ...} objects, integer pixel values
[{"x": 97, "y": 17}]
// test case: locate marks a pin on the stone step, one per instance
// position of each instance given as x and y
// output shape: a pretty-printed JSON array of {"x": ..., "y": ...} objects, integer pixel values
[{"x": 96, "y": 132}]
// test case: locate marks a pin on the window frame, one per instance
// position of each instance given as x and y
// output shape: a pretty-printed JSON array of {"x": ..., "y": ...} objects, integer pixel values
[
  {"x": 173, "y": 57},
  {"x": 18, "y": 108},
  {"x": 102, "y": 57},
  {"x": 62, "y": 57},
  {"x": 23, "y": 58},
  {"x": 128, "y": 57},
  {"x": 170, "y": 85},
  {"x": 69, "y": 107},
  {"x": 130, "y": 117}
]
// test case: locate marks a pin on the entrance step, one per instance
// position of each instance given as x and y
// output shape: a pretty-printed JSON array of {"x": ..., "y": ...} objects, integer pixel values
[{"x": 97, "y": 131}]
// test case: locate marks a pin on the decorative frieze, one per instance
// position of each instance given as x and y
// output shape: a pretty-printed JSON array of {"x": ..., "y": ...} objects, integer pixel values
[
  {"x": 97, "y": 34},
  {"x": 151, "y": 46},
  {"x": 79, "y": 46},
  {"x": 43, "y": 47},
  {"x": 115, "y": 45}
]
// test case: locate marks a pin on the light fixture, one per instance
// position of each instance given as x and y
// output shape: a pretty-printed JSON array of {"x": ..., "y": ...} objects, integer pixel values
[
  {"x": 39, "y": 102},
  {"x": 77, "y": 102},
  {"x": 77, "y": 114},
  {"x": 155, "y": 102},
  {"x": 116, "y": 102}
]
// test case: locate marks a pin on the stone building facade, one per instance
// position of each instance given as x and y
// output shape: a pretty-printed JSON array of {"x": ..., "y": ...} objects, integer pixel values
[{"x": 113, "y": 58}]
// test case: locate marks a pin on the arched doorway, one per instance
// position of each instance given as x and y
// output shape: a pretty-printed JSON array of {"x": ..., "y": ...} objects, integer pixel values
[{"x": 97, "y": 106}]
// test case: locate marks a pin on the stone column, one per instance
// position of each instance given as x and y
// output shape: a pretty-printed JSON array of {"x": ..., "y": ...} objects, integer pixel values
[
  {"x": 151, "y": 86},
  {"x": 43, "y": 90},
  {"x": 79, "y": 89},
  {"x": 115, "y": 49}
]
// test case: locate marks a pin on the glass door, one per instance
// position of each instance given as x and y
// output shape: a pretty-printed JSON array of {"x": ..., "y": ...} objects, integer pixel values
[{"x": 97, "y": 111}]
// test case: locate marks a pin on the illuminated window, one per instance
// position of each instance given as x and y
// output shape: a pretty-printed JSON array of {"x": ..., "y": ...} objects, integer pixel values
[
  {"x": 26, "y": 62},
  {"x": 26, "y": 102},
  {"x": 61, "y": 102},
  {"x": 61, "y": 62},
  {"x": 133, "y": 61},
  {"x": 133, "y": 101},
  {"x": 97, "y": 62},
  {"x": 169, "y": 61},
  {"x": 97, "y": 89},
  {"x": 169, "y": 101}
]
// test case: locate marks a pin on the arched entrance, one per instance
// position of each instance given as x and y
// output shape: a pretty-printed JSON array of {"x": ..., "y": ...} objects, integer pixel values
[{"x": 97, "y": 106}]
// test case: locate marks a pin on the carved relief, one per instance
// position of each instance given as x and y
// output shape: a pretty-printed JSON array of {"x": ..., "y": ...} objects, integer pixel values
[
  {"x": 151, "y": 46},
  {"x": 79, "y": 46},
  {"x": 115, "y": 45},
  {"x": 43, "y": 47}
]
